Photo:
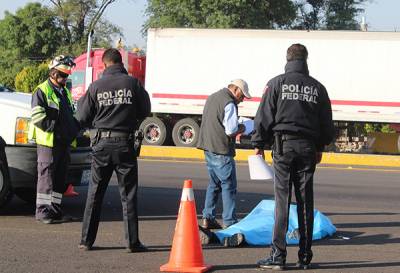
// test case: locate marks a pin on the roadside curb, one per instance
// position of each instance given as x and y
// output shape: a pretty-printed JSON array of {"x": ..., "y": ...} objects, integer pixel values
[{"x": 242, "y": 155}]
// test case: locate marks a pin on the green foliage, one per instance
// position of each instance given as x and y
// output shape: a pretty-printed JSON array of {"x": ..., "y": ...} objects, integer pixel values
[
  {"x": 30, "y": 77},
  {"x": 311, "y": 14},
  {"x": 356, "y": 129},
  {"x": 76, "y": 17},
  {"x": 220, "y": 14},
  {"x": 297, "y": 14},
  {"x": 10, "y": 65},
  {"x": 31, "y": 33},
  {"x": 341, "y": 14},
  {"x": 329, "y": 14},
  {"x": 75, "y": 49},
  {"x": 378, "y": 127},
  {"x": 387, "y": 129},
  {"x": 26, "y": 37},
  {"x": 36, "y": 33},
  {"x": 106, "y": 34}
]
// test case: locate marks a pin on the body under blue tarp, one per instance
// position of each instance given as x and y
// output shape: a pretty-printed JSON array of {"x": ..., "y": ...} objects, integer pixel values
[{"x": 258, "y": 225}]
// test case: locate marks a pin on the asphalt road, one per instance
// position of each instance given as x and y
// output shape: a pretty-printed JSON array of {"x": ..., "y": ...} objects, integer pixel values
[{"x": 363, "y": 204}]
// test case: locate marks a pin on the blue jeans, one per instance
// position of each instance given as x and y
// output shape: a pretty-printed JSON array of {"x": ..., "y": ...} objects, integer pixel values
[{"x": 222, "y": 174}]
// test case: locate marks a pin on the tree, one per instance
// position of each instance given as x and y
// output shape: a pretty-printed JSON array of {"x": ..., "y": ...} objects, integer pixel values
[
  {"x": 220, "y": 14},
  {"x": 340, "y": 14},
  {"x": 36, "y": 33},
  {"x": 10, "y": 66},
  {"x": 328, "y": 14},
  {"x": 77, "y": 18},
  {"x": 32, "y": 32},
  {"x": 311, "y": 14},
  {"x": 30, "y": 77},
  {"x": 28, "y": 36}
]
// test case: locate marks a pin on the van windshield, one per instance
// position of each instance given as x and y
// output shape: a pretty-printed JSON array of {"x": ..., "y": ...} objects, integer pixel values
[
  {"x": 5, "y": 89},
  {"x": 77, "y": 78}
]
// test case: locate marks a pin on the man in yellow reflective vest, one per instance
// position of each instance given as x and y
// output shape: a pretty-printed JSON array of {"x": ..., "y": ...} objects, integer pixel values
[{"x": 54, "y": 129}]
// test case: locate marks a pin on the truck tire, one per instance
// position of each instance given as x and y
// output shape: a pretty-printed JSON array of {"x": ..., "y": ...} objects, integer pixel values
[
  {"x": 26, "y": 194},
  {"x": 5, "y": 185},
  {"x": 186, "y": 133},
  {"x": 154, "y": 131}
]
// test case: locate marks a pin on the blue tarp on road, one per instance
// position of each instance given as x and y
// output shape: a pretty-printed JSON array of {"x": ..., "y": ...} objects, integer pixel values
[{"x": 258, "y": 226}]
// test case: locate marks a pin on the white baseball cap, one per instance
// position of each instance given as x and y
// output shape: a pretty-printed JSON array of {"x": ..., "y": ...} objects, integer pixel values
[{"x": 243, "y": 86}]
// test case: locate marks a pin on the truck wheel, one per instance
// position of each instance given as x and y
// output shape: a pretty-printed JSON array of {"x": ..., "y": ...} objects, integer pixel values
[
  {"x": 26, "y": 194},
  {"x": 186, "y": 133},
  {"x": 154, "y": 131},
  {"x": 5, "y": 186}
]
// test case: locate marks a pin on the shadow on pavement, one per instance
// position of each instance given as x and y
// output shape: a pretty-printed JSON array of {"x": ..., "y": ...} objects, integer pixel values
[
  {"x": 354, "y": 264},
  {"x": 158, "y": 203},
  {"x": 232, "y": 267},
  {"x": 17, "y": 207},
  {"x": 357, "y": 238},
  {"x": 368, "y": 225},
  {"x": 292, "y": 266},
  {"x": 100, "y": 248},
  {"x": 360, "y": 213},
  {"x": 155, "y": 203},
  {"x": 151, "y": 248}
]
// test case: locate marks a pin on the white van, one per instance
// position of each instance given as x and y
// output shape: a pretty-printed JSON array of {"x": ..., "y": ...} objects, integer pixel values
[{"x": 15, "y": 109}]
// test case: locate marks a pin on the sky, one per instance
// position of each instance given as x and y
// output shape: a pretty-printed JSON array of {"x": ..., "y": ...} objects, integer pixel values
[{"x": 380, "y": 15}]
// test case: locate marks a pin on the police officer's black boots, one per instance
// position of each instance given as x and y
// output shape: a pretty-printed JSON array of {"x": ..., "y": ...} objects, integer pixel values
[
  {"x": 304, "y": 259},
  {"x": 139, "y": 247},
  {"x": 303, "y": 265},
  {"x": 273, "y": 262}
]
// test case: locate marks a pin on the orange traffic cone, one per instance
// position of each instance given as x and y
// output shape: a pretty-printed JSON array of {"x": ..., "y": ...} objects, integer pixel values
[
  {"x": 70, "y": 191},
  {"x": 186, "y": 254}
]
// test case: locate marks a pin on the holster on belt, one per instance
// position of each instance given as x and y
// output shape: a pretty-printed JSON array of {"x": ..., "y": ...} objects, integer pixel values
[
  {"x": 138, "y": 142},
  {"x": 94, "y": 137},
  {"x": 278, "y": 144}
]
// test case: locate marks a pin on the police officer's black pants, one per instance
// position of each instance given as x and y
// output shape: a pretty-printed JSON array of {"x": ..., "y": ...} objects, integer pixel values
[
  {"x": 52, "y": 173},
  {"x": 112, "y": 154},
  {"x": 295, "y": 166}
]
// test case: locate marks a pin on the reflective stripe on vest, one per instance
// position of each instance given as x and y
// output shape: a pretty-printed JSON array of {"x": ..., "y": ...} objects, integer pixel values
[{"x": 38, "y": 113}]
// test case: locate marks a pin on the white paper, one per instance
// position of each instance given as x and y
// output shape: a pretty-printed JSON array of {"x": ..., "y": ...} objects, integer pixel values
[
  {"x": 248, "y": 123},
  {"x": 259, "y": 169}
]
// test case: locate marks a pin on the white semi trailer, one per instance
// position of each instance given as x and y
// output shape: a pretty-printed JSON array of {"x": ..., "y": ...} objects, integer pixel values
[{"x": 185, "y": 66}]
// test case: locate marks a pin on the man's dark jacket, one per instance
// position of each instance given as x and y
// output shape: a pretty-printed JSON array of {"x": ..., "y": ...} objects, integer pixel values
[
  {"x": 212, "y": 135},
  {"x": 117, "y": 101},
  {"x": 294, "y": 103}
]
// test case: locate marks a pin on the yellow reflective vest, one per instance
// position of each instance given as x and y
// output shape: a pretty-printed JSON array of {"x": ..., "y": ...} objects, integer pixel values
[{"x": 35, "y": 133}]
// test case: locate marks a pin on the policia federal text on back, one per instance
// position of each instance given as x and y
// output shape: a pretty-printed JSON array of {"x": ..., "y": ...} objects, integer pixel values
[{"x": 113, "y": 107}]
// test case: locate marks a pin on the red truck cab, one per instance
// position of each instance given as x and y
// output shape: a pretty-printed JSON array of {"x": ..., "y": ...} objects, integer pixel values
[
  {"x": 182, "y": 130},
  {"x": 134, "y": 63}
]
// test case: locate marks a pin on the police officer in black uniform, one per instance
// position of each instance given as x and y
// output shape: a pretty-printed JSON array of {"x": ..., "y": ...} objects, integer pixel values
[
  {"x": 113, "y": 107},
  {"x": 295, "y": 115}
]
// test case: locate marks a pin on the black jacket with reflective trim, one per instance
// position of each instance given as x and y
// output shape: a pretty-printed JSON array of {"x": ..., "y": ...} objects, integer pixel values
[{"x": 61, "y": 121}]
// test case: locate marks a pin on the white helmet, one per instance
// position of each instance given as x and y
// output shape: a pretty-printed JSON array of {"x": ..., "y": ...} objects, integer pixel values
[{"x": 63, "y": 64}]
